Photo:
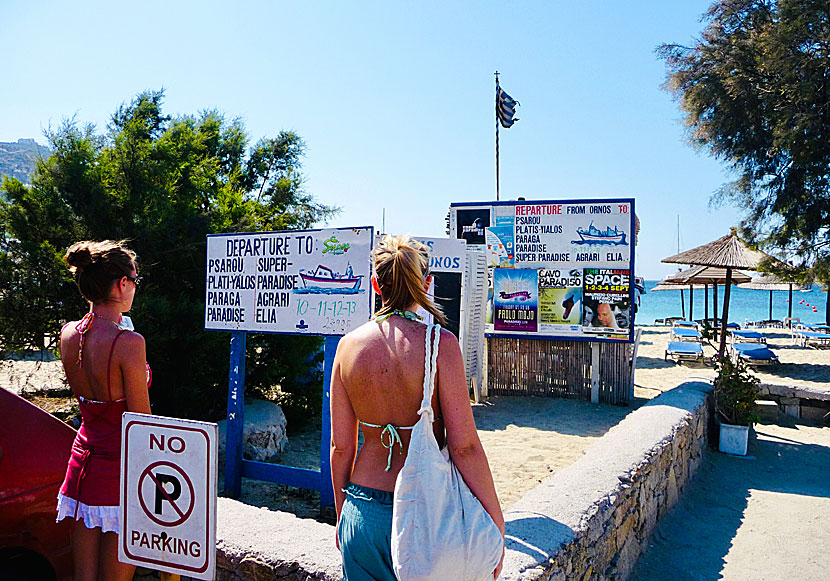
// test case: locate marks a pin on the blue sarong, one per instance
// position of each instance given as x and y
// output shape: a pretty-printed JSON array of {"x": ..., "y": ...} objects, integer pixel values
[{"x": 365, "y": 534}]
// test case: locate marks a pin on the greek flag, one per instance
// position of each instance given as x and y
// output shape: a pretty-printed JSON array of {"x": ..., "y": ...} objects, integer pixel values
[{"x": 505, "y": 108}]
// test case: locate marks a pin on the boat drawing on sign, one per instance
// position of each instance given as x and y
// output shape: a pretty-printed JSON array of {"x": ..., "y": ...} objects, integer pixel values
[
  {"x": 325, "y": 280},
  {"x": 594, "y": 235},
  {"x": 521, "y": 295}
]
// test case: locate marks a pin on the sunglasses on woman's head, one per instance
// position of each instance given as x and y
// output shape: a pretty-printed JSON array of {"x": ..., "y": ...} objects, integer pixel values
[{"x": 135, "y": 280}]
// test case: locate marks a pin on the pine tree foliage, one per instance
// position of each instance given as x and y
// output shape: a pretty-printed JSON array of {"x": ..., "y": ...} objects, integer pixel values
[
  {"x": 162, "y": 183},
  {"x": 755, "y": 91}
]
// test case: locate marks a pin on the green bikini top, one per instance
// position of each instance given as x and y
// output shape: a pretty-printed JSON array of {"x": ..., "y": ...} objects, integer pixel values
[{"x": 390, "y": 436}]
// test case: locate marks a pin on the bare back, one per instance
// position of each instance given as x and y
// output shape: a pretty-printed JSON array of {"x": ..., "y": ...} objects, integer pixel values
[
  {"x": 381, "y": 366},
  {"x": 124, "y": 359}
]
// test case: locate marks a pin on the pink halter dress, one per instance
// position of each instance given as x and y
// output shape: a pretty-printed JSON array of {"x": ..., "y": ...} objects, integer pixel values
[{"x": 90, "y": 490}]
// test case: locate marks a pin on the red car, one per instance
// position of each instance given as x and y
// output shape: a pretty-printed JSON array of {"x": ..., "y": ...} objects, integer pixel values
[{"x": 34, "y": 450}]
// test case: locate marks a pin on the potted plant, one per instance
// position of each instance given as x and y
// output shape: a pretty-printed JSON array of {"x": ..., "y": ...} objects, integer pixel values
[{"x": 736, "y": 391}]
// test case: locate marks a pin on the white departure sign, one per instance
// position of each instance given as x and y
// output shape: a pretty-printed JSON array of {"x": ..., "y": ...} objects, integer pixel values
[
  {"x": 168, "y": 495},
  {"x": 294, "y": 281}
]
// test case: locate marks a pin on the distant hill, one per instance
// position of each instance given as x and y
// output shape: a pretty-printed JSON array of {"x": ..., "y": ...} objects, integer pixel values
[{"x": 18, "y": 160}]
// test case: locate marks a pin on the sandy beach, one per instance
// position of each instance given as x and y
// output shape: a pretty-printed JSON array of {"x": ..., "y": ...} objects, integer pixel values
[
  {"x": 803, "y": 366},
  {"x": 526, "y": 438}
]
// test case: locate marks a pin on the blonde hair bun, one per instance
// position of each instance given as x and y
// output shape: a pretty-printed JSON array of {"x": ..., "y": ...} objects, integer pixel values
[{"x": 401, "y": 267}]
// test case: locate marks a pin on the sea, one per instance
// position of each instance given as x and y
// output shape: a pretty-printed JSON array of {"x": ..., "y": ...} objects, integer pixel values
[{"x": 744, "y": 304}]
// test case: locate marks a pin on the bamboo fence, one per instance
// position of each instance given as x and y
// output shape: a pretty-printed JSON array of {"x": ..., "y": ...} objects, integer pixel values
[{"x": 557, "y": 369}]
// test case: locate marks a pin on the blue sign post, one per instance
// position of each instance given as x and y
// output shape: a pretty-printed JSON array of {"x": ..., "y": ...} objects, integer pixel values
[
  {"x": 298, "y": 282},
  {"x": 236, "y": 467}
]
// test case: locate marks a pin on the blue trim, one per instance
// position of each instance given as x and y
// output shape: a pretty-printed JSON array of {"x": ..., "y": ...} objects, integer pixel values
[
  {"x": 300, "y": 477},
  {"x": 326, "y": 487},
  {"x": 632, "y": 237},
  {"x": 531, "y": 202},
  {"x": 289, "y": 232},
  {"x": 564, "y": 338},
  {"x": 236, "y": 415}
]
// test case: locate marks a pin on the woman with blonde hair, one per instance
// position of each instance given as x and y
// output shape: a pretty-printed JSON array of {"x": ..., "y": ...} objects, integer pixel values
[
  {"x": 377, "y": 386},
  {"x": 106, "y": 369}
]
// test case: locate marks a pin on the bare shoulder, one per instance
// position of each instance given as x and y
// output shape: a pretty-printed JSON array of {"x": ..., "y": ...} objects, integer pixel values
[
  {"x": 131, "y": 344},
  {"x": 358, "y": 337},
  {"x": 449, "y": 342},
  {"x": 68, "y": 331}
]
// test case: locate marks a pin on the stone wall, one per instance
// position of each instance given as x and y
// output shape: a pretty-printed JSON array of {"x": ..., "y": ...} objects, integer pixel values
[
  {"x": 587, "y": 521},
  {"x": 592, "y": 519}
]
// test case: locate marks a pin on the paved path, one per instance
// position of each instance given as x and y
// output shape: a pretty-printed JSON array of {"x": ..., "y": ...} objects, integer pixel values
[{"x": 765, "y": 517}]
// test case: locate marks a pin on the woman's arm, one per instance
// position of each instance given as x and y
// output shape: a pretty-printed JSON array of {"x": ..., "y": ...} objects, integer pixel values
[
  {"x": 134, "y": 371},
  {"x": 462, "y": 439},
  {"x": 343, "y": 431}
]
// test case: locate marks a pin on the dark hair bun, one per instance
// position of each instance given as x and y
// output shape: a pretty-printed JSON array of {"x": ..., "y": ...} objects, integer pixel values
[{"x": 78, "y": 256}]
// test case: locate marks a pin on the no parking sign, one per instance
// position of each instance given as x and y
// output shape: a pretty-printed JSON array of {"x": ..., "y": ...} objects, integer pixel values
[{"x": 168, "y": 495}]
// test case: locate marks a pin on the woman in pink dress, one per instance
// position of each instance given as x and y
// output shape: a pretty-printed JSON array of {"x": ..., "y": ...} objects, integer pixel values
[{"x": 107, "y": 370}]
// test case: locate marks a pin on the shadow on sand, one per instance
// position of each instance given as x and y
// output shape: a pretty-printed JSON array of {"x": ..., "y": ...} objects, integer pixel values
[
  {"x": 551, "y": 414},
  {"x": 800, "y": 371},
  {"x": 536, "y": 535},
  {"x": 693, "y": 539}
]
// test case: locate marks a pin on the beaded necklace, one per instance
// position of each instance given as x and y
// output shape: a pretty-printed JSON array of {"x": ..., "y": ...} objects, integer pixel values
[
  {"x": 83, "y": 327},
  {"x": 405, "y": 314}
]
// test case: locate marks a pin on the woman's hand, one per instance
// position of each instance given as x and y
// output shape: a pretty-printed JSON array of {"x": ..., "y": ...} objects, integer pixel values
[{"x": 497, "y": 570}]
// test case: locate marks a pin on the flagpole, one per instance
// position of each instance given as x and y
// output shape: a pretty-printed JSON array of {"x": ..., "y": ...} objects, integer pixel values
[{"x": 497, "y": 139}]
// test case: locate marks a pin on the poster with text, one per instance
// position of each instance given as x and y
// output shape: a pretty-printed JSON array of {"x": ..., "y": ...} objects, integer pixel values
[
  {"x": 560, "y": 240},
  {"x": 560, "y": 300},
  {"x": 297, "y": 281},
  {"x": 470, "y": 224},
  {"x": 499, "y": 246},
  {"x": 576, "y": 235},
  {"x": 515, "y": 299},
  {"x": 606, "y": 300}
]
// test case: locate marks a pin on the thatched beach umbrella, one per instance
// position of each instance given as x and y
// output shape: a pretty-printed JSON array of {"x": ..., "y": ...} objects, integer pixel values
[
  {"x": 729, "y": 252},
  {"x": 665, "y": 285},
  {"x": 771, "y": 283},
  {"x": 704, "y": 275}
]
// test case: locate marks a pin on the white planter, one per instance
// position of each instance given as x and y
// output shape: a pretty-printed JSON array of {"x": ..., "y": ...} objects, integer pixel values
[{"x": 733, "y": 439}]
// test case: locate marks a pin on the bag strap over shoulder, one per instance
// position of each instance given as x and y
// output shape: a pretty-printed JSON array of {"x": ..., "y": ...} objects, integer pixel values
[{"x": 430, "y": 367}]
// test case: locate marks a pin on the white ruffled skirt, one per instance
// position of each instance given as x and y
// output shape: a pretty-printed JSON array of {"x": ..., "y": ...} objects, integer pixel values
[{"x": 105, "y": 517}]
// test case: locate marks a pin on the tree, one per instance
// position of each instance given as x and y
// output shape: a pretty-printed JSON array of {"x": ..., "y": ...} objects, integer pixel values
[
  {"x": 755, "y": 91},
  {"x": 162, "y": 183}
]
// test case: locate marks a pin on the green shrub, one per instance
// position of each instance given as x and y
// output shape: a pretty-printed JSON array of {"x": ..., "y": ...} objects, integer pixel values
[
  {"x": 736, "y": 391},
  {"x": 163, "y": 183}
]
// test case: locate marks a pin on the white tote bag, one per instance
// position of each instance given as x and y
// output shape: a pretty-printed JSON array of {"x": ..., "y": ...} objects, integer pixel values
[{"x": 440, "y": 531}]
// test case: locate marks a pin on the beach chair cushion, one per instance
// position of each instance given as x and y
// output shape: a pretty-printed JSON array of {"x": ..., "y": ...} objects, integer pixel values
[
  {"x": 685, "y": 349},
  {"x": 683, "y": 333},
  {"x": 685, "y": 324},
  {"x": 754, "y": 352},
  {"x": 815, "y": 336},
  {"x": 748, "y": 336}
]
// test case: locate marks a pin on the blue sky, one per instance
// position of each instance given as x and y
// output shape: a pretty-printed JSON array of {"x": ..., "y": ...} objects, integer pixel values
[{"x": 395, "y": 99}]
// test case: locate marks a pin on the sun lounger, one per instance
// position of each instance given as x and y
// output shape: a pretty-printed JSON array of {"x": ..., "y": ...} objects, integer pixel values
[
  {"x": 684, "y": 334},
  {"x": 671, "y": 320},
  {"x": 747, "y": 336},
  {"x": 754, "y": 354},
  {"x": 682, "y": 323},
  {"x": 809, "y": 338},
  {"x": 684, "y": 351}
]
